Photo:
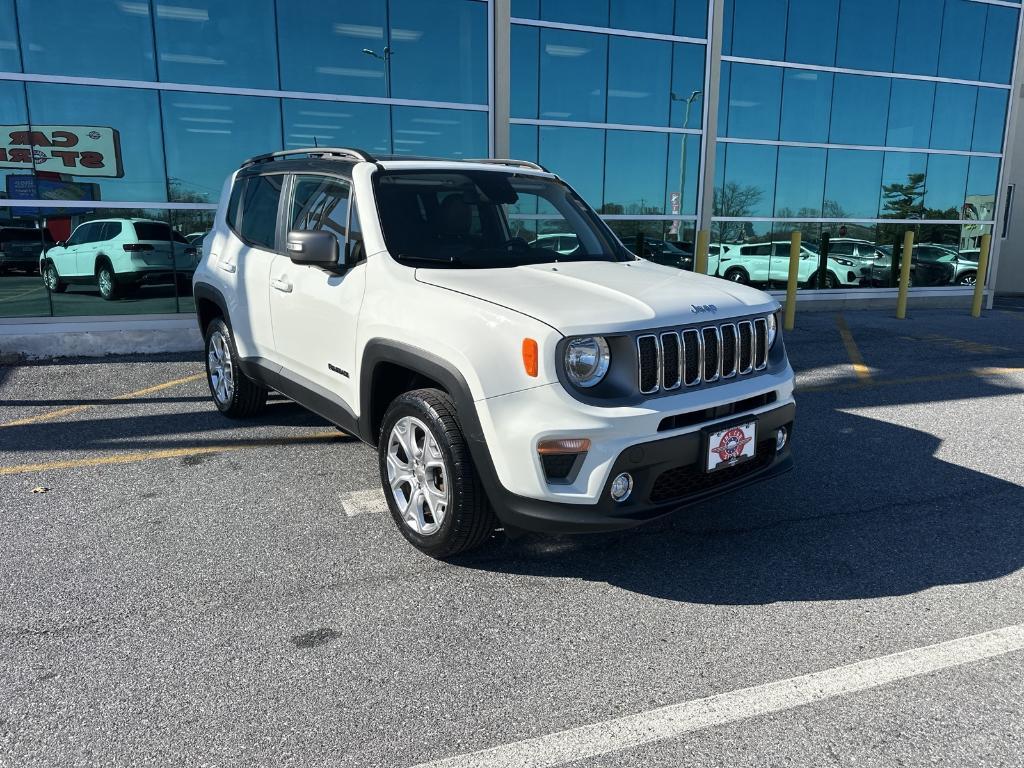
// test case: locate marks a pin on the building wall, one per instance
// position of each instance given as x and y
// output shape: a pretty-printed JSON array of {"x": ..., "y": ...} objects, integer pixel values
[{"x": 855, "y": 118}]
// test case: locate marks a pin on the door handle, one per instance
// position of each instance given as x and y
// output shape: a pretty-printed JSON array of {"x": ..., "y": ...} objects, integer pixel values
[
  {"x": 227, "y": 266},
  {"x": 282, "y": 285}
]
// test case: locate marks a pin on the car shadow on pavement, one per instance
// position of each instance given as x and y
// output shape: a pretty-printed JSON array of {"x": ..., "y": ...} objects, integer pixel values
[{"x": 869, "y": 511}]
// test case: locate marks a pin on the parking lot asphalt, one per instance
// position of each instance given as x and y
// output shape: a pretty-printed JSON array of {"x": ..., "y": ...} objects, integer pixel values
[{"x": 176, "y": 588}]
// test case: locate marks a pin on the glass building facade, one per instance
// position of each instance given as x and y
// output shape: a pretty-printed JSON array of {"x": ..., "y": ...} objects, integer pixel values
[{"x": 855, "y": 119}]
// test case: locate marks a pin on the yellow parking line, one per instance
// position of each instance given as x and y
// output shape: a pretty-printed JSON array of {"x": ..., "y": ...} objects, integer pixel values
[
  {"x": 859, "y": 368},
  {"x": 169, "y": 453},
  {"x": 872, "y": 383},
  {"x": 79, "y": 408},
  {"x": 14, "y": 296}
]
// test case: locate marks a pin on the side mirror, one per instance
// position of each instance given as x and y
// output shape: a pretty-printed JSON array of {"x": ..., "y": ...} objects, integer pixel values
[
  {"x": 316, "y": 248},
  {"x": 60, "y": 244}
]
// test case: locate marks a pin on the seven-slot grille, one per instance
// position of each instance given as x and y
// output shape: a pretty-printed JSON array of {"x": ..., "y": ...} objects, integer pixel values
[{"x": 703, "y": 355}]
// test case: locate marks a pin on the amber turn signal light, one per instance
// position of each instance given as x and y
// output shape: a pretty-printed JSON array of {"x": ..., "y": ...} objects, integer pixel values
[
  {"x": 563, "y": 445},
  {"x": 530, "y": 357}
]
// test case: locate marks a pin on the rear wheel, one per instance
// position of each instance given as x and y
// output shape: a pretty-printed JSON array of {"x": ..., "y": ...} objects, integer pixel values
[
  {"x": 52, "y": 279},
  {"x": 831, "y": 281},
  {"x": 106, "y": 281},
  {"x": 970, "y": 278},
  {"x": 429, "y": 480},
  {"x": 235, "y": 394}
]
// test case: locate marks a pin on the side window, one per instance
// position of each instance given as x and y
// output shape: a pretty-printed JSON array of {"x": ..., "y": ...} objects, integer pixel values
[
  {"x": 83, "y": 234},
  {"x": 259, "y": 210},
  {"x": 319, "y": 203},
  {"x": 109, "y": 230},
  {"x": 233, "y": 203},
  {"x": 357, "y": 250}
]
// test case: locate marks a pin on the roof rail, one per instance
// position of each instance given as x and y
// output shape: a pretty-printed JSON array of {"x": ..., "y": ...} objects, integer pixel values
[
  {"x": 358, "y": 155},
  {"x": 512, "y": 163}
]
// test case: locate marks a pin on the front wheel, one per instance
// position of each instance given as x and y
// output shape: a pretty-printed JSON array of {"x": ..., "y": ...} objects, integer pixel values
[
  {"x": 52, "y": 279},
  {"x": 970, "y": 279},
  {"x": 737, "y": 275},
  {"x": 429, "y": 480},
  {"x": 235, "y": 394}
]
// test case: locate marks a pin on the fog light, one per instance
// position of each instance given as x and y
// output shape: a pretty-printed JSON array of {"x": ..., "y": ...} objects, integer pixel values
[
  {"x": 780, "y": 439},
  {"x": 622, "y": 486}
]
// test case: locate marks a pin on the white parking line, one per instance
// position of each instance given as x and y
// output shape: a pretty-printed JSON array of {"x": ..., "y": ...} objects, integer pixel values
[
  {"x": 677, "y": 719},
  {"x": 358, "y": 502}
]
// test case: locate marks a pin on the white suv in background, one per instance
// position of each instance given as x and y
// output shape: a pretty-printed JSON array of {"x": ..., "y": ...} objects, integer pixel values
[
  {"x": 119, "y": 254},
  {"x": 502, "y": 380}
]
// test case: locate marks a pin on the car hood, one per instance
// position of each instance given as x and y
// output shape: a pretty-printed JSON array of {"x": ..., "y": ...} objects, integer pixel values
[{"x": 603, "y": 297}]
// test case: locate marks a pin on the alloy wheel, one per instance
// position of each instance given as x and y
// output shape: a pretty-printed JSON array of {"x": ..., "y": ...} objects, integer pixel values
[
  {"x": 105, "y": 280},
  {"x": 221, "y": 369},
  {"x": 417, "y": 475}
]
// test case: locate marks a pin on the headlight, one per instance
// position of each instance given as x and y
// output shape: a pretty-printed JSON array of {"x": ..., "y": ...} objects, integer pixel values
[
  {"x": 844, "y": 262},
  {"x": 587, "y": 360},
  {"x": 773, "y": 330}
]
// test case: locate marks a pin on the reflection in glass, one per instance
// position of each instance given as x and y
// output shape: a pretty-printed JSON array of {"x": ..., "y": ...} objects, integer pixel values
[
  {"x": 1000, "y": 41},
  {"x": 811, "y": 32},
  {"x": 867, "y": 30},
  {"x": 682, "y": 180},
  {"x": 903, "y": 185},
  {"x": 801, "y": 183},
  {"x": 749, "y": 188},
  {"x": 526, "y": 9},
  {"x": 129, "y": 164},
  {"x": 852, "y": 184},
  {"x": 451, "y": 133},
  {"x": 193, "y": 226},
  {"x": 439, "y": 50},
  {"x": 22, "y": 292},
  {"x": 981, "y": 189},
  {"x": 687, "y": 80},
  {"x": 14, "y": 111},
  {"x": 947, "y": 183},
  {"x": 570, "y": 152},
  {"x": 954, "y": 116},
  {"x": 638, "y": 80},
  {"x": 339, "y": 124},
  {"x": 806, "y": 105},
  {"x": 649, "y": 16},
  {"x": 756, "y": 29},
  {"x": 525, "y": 71},
  {"x": 962, "y": 21},
  {"x": 321, "y": 47},
  {"x": 917, "y": 38},
  {"x": 634, "y": 173},
  {"x": 691, "y": 18},
  {"x": 10, "y": 54},
  {"x": 910, "y": 113},
  {"x": 593, "y": 13},
  {"x": 859, "y": 110},
  {"x": 69, "y": 37},
  {"x": 663, "y": 242},
  {"x": 92, "y": 272},
  {"x": 208, "y": 135},
  {"x": 990, "y": 120},
  {"x": 755, "y": 95},
  {"x": 211, "y": 42},
  {"x": 572, "y": 75}
]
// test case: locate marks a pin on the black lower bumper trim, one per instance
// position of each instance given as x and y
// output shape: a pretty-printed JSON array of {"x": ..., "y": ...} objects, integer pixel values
[{"x": 653, "y": 496}]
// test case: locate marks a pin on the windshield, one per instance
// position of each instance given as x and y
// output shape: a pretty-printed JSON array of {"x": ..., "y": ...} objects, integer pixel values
[{"x": 488, "y": 219}]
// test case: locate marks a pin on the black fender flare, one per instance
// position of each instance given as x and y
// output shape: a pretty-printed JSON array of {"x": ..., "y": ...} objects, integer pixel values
[
  {"x": 446, "y": 374},
  {"x": 210, "y": 293}
]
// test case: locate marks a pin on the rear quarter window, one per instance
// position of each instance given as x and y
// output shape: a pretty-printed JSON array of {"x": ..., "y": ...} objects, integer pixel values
[{"x": 152, "y": 230}]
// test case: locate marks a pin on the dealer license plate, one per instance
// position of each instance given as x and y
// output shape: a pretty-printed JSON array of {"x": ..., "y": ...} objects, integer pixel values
[{"x": 731, "y": 446}]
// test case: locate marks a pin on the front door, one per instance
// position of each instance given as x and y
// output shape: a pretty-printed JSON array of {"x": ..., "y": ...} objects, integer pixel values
[{"x": 314, "y": 311}]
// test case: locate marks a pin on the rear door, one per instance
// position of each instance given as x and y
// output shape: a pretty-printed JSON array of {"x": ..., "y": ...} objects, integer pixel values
[
  {"x": 315, "y": 311},
  {"x": 67, "y": 259}
]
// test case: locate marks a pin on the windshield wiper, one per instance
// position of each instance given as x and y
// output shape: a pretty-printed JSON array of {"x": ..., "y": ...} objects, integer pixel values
[{"x": 427, "y": 259}]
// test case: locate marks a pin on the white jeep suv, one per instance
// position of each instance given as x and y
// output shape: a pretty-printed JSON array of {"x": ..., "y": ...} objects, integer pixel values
[{"x": 504, "y": 380}]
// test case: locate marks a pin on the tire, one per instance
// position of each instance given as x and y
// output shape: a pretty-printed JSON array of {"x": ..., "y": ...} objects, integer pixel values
[
  {"x": 51, "y": 279},
  {"x": 831, "y": 281},
  {"x": 737, "y": 275},
  {"x": 106, "y": 281},
  {"x": 235, "y": 394},
  {"x": 440, "y": 468},
  {"x": 968, "y": 278}
]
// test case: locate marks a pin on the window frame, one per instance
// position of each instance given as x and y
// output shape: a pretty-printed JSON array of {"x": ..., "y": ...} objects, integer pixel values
[
  {"x": 236, "y": 227},
  {"x": 284, "y": 214}
]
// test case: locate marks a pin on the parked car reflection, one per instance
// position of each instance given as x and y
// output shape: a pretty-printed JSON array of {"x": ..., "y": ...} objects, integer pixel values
[
  {"x": 766, "y": 264},
  {"x": 119, "y": 255},
  {"x": 930, "y": 265},
  {"x": 19, "y": 249}
]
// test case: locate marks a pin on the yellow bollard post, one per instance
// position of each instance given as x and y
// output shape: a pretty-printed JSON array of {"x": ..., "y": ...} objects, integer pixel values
[
  {"x": 908, "y": 255},
  {"x": 794, "y": 275},
  {"x": 700, "y": 263},
  {"x": 979, "y": 285}
]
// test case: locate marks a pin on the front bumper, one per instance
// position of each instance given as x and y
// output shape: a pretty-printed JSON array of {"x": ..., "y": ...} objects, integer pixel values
[{"x": 668, "y": 475}]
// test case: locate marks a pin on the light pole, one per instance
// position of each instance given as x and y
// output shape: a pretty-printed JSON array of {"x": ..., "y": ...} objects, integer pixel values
[
  {"x": 386, "y": 58},
  {"x": 682, "y": 153}
]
